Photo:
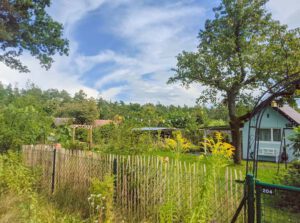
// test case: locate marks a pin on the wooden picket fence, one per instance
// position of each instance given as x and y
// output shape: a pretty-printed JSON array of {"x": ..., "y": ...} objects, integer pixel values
[{"x": 144, "y": 186}]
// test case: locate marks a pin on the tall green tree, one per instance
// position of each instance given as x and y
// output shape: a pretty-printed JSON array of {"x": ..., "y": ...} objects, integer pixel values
[
  {"x": 25, "y": 125},
  {"x": 26, "y": 26},
  {"x": 84, "y": 112},
  {"x": 241, "y": 50}
]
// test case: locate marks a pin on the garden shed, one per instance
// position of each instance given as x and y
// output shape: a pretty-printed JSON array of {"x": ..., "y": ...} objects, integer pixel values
[{"x": 276, "y": 127}]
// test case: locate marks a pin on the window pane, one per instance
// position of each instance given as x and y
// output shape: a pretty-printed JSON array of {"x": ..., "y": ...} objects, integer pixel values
[
  {"x": 265, "y": 134},
  {"x": 276, "y": 134}
]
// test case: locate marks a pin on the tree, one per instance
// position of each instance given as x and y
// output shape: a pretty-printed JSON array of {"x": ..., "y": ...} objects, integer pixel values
[
  {"x": 80, "y": 96},
  {"x": 25, "y": 25},
  {"x": 25, "y": 125},
  {"x": 84, "y": 112},
  {"x": 240, "y": 51}
]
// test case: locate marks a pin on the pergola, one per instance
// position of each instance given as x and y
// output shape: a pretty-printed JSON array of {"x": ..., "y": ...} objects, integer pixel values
[{"x": 90, "y": 133}]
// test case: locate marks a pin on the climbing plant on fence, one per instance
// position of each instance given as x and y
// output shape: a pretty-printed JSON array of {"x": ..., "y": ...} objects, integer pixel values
[{"x": 146, "y": 188}]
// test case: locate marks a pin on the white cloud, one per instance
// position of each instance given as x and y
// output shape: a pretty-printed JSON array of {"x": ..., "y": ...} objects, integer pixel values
[
  {"x": 68, "y": 12},
  {"x": 158, "y": 34},
  {"x": 287, "y": 11},
  {"x": 56, "y": 77}
]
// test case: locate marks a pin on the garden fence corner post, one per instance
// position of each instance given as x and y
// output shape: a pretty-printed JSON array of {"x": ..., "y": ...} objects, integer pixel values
[
  {"x": 250, "y": 199},
  {"x": 53, "y": 171}
]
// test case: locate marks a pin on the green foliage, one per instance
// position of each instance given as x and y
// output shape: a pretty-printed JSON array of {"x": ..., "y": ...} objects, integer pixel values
[
  {"x": 20, "y": 201},
  {"x": 14, "y": 175},
  {"x": 101, "y": 199},
  {"x": 25, "y": 125},
  {"x": 84, "y": 112},
  {"x": 62, "y": 134},
  {"x": 217, "y": 146},
  {"x": 291, "y": 178},
  {"x": 25, "y": 25},
  {"x": 121, "y": 139},
  {"x": 26, "y": 117},
  {"x": 235, "y": 51},
  {"x": 296, "y": 139},
  {"x": 178, "y": 143}
]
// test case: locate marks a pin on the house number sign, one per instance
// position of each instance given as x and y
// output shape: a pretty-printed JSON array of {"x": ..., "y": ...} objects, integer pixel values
[{"x": 269, "y": 191}]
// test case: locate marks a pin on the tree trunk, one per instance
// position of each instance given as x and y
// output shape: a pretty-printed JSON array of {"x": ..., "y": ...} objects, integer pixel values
[
  {"x": 235, "y": 126},
  {"x": 236, "y": 140}
]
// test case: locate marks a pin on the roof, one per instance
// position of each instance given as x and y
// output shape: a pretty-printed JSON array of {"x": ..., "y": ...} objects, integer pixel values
[
  {"x": 219, "y": 127},
  {"x": 290, "y": 113},
  {"x": 101, "y": 122},
  {"x": 154, "y": 129},
  {"x": 62, "y": 121}
]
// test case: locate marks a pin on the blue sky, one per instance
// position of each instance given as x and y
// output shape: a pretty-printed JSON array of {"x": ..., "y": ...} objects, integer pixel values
[{"x": 125, "y": 49}]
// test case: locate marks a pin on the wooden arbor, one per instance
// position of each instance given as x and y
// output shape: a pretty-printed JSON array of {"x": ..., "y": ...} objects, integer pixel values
[{"x": 89, "y": 136}]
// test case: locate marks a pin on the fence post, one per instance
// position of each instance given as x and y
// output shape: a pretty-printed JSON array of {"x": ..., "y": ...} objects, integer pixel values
[
  {"x": 53, "y": 171},
  {"x": 115, "y": 172},
  {"x": 258, "y": 204},
  {"x": 250, "y": 196}
]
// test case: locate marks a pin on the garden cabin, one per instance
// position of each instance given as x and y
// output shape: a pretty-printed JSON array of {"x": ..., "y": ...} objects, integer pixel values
[{"x": 276, "y": 125}]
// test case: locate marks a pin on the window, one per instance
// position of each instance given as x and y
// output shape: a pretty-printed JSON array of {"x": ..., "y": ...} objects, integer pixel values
[
  {"x": 277, "y": 135},
  {"x": 265, "y": 134},
  {"x": 270, "y": 135}
]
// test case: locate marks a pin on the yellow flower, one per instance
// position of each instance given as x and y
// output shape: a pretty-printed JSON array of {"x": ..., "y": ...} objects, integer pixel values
[
  {"x": 178, "y": 143},
  {"x": 217, "y": 146}
]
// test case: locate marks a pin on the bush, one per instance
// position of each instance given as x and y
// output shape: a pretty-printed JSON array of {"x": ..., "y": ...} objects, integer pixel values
[
  {"x": 101, "y": 199},
  {"x": 217, "y": 146},
  {"x": 292, "y": 178},
  {"x": 20, "y": 201},
  {"x": 296, "y": 139}
]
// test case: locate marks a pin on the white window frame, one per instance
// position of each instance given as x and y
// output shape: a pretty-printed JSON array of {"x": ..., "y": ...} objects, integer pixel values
[{"x": 272, "y": 139}]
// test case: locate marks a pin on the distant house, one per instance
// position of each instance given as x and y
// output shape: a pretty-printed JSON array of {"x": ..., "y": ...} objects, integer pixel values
[
  {"x": 276, "y": 125},
  {"x": 63, "y": 121},
  {"x": 101, "y": 122}
]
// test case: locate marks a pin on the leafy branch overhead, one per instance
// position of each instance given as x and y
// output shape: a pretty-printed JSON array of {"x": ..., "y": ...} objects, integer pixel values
[{"x": 25, "y": 26}]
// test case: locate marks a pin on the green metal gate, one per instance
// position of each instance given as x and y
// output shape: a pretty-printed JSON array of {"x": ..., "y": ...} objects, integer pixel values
[
  {"x": 266, "y": 203},
  {"x": 277, "y": 203}
]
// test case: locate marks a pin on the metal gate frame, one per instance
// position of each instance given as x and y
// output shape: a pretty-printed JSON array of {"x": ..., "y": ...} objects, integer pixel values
[{"x": 252, "y": 200}]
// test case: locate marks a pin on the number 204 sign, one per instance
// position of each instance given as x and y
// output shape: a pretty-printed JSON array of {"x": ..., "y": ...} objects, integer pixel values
[{"x": 269, "y": 191}]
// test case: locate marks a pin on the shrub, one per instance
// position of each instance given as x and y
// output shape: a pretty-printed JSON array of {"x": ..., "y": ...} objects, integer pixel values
[
  {"x": 217, "y": 146},
  {"x": 20, "y": 201},
  {"x": 292, "y": 178},
  {"x": 296, "y": 139},
  {"x": 101, "y": 199}
]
